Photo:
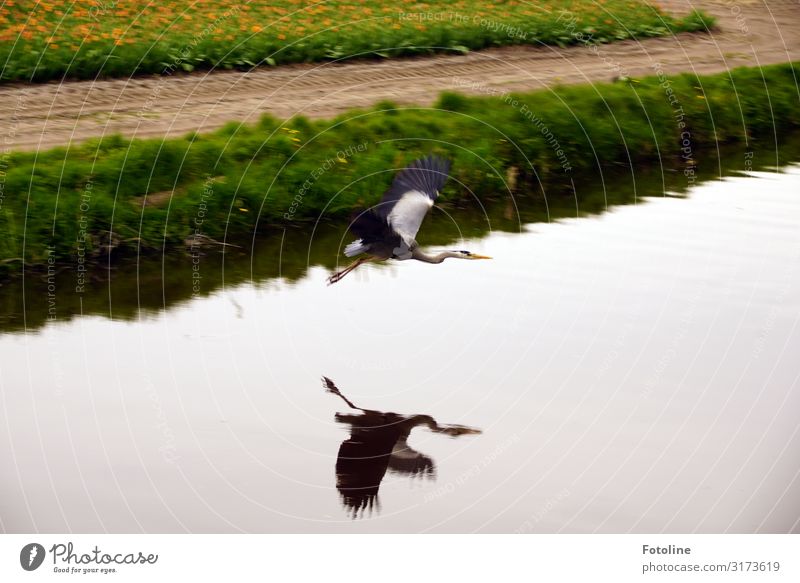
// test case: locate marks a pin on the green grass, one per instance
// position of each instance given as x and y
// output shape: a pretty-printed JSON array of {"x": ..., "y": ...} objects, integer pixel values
[
  {"x": 89, "y": 38},
  {"x": 136, "y": 288},
  {"x": 244, "y": 179}
]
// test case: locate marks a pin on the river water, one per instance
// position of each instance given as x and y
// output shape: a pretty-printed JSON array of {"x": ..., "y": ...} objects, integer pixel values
[{"x": 630, "y": 371}]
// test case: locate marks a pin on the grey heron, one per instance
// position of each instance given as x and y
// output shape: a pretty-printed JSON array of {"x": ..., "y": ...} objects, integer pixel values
[
  {"x": 389, "y": 230},
  {"x": 377, "y": 443}
]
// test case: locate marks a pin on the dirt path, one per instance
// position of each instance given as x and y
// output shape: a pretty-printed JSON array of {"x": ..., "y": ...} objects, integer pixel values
[{"x": 751, "y": 33}]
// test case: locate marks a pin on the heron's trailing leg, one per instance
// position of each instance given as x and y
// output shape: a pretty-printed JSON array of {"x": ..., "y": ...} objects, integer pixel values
[
  {"x": 332, "y": 388},
  {"x": 340, "y": 274}
]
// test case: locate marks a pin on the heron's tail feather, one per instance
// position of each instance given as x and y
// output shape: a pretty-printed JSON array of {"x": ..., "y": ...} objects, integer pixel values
[{"x": 355, "y": 248}]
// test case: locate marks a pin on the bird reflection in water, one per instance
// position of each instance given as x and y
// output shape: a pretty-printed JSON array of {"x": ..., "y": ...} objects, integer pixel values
[{"x": 377, "y": 443}]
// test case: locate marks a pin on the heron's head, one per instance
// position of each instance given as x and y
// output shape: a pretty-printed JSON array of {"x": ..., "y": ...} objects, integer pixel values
[{"x": 469, "y": 255}]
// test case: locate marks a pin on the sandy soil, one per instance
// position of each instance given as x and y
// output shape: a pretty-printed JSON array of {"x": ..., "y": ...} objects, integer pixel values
[{"x": 750, "y": 33}]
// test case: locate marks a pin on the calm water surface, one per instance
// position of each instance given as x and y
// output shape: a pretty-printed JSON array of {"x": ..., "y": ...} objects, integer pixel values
[{"x": 631, "y": 371}]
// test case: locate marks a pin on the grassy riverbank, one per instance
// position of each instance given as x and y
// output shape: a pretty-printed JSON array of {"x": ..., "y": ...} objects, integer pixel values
[
  {"x": 119, "y": 38},
  {"x": 135, "y": 289},
  {"x": 70, "y": 207}
]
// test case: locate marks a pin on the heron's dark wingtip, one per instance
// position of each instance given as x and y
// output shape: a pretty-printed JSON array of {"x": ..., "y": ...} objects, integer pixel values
[{"x": 428, "y": 174}]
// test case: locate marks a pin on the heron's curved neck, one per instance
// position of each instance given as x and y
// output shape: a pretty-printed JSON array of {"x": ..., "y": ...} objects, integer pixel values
[
  {"x": 419, "y": 255},
  {"x": 426, "y": 420}
]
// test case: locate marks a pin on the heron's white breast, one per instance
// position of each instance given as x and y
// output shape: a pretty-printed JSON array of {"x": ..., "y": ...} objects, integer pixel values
[{"x": 408, "y": 212}]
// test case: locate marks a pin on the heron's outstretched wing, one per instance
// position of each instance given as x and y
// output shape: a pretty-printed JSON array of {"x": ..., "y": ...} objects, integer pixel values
[
  {"x": 412, "y": 194},
  {"x": 371, "y": 230},
  {"x": 397, "y": 218}
]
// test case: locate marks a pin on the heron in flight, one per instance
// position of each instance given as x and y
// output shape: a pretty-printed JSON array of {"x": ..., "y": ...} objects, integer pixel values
[
  {"x": 379, "y": 442},
  {"x": 388, "y": 231}
]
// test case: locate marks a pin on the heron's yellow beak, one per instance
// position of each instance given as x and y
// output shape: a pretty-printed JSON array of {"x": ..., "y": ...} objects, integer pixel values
[{"x": 475, "y": 256}]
